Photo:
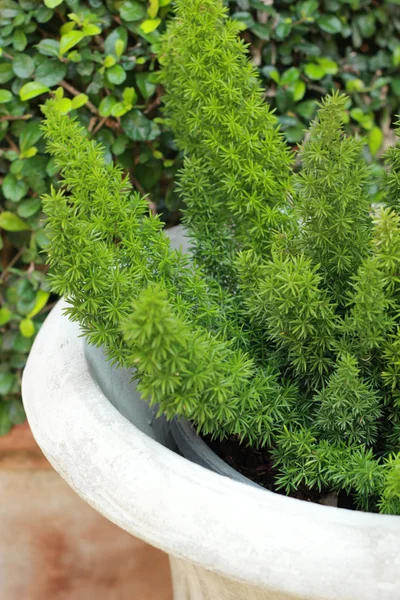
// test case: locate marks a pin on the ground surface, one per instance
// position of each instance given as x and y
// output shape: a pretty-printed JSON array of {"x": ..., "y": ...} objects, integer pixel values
[{"x": 53, "y": 546}]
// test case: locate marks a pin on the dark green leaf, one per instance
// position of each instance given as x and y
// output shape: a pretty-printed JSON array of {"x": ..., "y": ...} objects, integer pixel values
[
  {"x": 6, "y": 72},
  {"x": 366, "y": 24},
  {"x": 145, "y": 85},
  {"x": 21, "y": 343},
  {"x": 306, "y": 109},
  {"x": 395, "y": 84},
  {"x": 244, "y": 17},
  {"x": 283, "y": 100},
  {"x": 49, "y": 47},
  {"x": 29, "y": 135},
  {"x": 295, "y": 134},
  {"x": 283, "y": 29},
  {"x": 9, "y": 9},
  {"x": 23, "y": 66},
  {"x": 7, "y": 381},
  {"x": 106, "y": 105},
  {"x": 85, "y": 68},
  {"x": 149, "y": 174},
  {"x": 290, "y": 76},
  {"x": 34, "y": 167},
  {"x": 51, "y": 72},
  {"x": 138, "y": 128},
  {"x": 132, "y": 11},
  {"x": 19, "y": 40},
  {"x": 42, "y": 239},
  {"x": 307, "y": 9},
  {"x": 262, "y": 31},
  {"x": 43, "y": 14},
  {"x": 272, "y": 73},
  {"x": 119, "y": 145},
  {"x": 29, "y": 207},
  {"x": 329, "y": 23},
  {"x": 119, "y": 34},
  {"x": 14, "y": 189}
]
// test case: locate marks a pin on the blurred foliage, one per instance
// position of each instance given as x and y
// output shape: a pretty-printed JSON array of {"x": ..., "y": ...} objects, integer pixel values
[
  {"x": 306, "y": 49},
  {"x": 101, "y": 56}
]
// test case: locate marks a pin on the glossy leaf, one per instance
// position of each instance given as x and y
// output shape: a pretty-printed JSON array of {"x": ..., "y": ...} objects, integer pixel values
[
  {"x": 11, "y": 222},
  {"x": 40, "y": 302},
  {"x": 152, "y": 9},
  {"x": 32, "y": 89},
  {"x": 23, "y": 66},
  {"x": 116, "y": 74},
  {"x": 27, "y": 328},
  {"x": 106, "y": 105},
  {"x": 69, "y": 40},
  {"x": 14, "y": 189},
  {"x": 329, "y": 23},
  {"x": 5, "y": 96},
  {"x": 5, "y": 316},
  {"x": 30, "y": 134},
  {"x": 49, "y": 47},
  {"x": 78, "y": 101},
  {"x": 51, "y": 72},
  {"x": 52, "y": 3},
  {"x": 132, "y": 10},
  {"x": 375, "y": 139},
  {"x": 150, "y": 25},
  {"x": 299, "y": 90},
  {"x": 138, "y": 128},
  {"x": 314, "y": 71}
]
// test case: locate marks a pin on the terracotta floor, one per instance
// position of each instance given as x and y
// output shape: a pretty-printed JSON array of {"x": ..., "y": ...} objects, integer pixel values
[{"x": 53, "y": 546}]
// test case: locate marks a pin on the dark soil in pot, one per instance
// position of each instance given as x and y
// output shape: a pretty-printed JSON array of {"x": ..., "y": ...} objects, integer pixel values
[
  {"x": 257, "y": 465},
  {"x": 239, "y": 462}
]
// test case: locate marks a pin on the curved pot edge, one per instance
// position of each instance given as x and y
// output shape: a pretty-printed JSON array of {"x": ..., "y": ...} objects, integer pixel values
[
  {"x": 277, "y": 543},
  {"x": 195, "y": 449}
]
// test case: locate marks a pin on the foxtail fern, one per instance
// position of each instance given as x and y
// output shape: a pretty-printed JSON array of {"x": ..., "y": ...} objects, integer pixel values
[
  {"x": 236, "y": 177},
  {"x": 283, "y": 328}
]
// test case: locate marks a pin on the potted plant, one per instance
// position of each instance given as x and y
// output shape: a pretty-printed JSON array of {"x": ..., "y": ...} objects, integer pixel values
[{"x": 280, "y": 335}]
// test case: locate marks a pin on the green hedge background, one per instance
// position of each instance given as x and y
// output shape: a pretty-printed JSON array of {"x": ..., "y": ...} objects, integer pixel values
[{"x": 103, "y": 57}]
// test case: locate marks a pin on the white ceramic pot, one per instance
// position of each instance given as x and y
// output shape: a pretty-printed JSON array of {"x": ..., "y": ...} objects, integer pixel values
[{"x": 226, "y": 540}]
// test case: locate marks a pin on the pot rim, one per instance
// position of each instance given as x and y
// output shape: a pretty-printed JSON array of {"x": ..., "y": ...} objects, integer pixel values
[{"x": 228, "y": 527}]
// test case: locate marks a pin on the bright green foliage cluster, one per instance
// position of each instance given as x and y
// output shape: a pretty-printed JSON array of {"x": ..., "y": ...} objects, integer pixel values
[
  {"x": 332, "y": 204},
  {"x": 104, "y": 246},
  {"x": 237, "y": 171},
  {"x": 188, "y": 371},
  {"x": 283, "y": 331},
  {"x": 106, "y": 251}
]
